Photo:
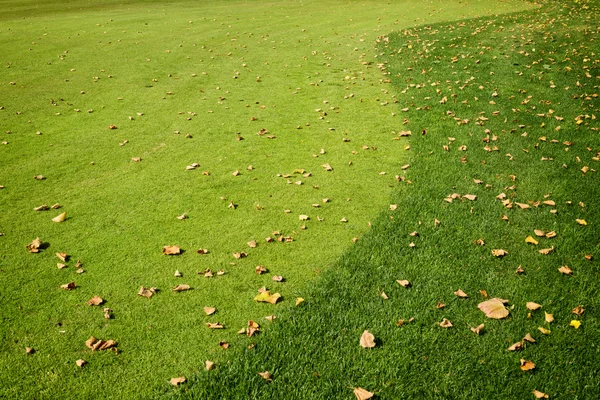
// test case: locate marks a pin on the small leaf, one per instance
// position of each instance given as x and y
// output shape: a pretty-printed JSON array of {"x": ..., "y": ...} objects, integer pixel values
[
  {"x": 95, "y": 301},
  {"x": 575, "y": 323},
  {"x": 34, "y": 246},
  {"x": 533, "y": 306},
  {"x": 299, "y": 300},
  {"x": 499, "y": 252},
  {"x": 68, "y": 286},
  {"x": 461, "y": 294},
  {"x": 62, "y": 256},
  {"x": 146, "y": 292},
  {"x": 209, "y": 310},
  {"x": 548, "y": 317},
  {"x": 266, "y": 376},
  {"x": 479, "y": 329},
  {"x": 80, "y": 363},
  {"x": 565, "y": 270},
  {"x": 181, "y": 288},
  {"x": 544, "y": 330},
  {"x": 531, "y": 240},
  {"x": 267, "y": 297},
  {"x": 445, "y": 323},
  {"x": 581, "y": 221},
  {"x": 367, "y": 340},
  {"x": 526, "y": 365},
  {"x": 494, "y": 308},
  {"x": 215, "y": 325},
  {"x": 547, "y": 251},
  {"x": 516, "y": 347},
  {"x": 177, "y": 381},
  {"x": 540, "y": 395},
  {"x": 171, "y": 250},
  {"x": 539, "y": 233},
  {"x": 579, "y": 310},
  {"x": 529, "y": 338},
  {"x": 403, "y": 282},
  {"x": 209, "y": 365},
  {"x": 362, "y": 394}
]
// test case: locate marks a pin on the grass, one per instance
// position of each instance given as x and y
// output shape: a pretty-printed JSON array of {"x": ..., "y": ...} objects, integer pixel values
[
  {"x": 535, "y": 61},
  {"x": 162, "y": 73}
]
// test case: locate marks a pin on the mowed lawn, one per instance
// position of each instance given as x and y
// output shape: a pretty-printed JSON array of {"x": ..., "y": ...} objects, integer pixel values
[{"x": 103, "y": 106}]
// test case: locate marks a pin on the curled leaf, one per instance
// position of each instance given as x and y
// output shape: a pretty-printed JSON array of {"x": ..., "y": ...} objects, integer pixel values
[
  {"x": 478, "y": 330},
  {"x": 516, "y": 347},
  {"x": 95, "y": 301},
  {"x": 181, "y": 288},
  {"x": 446, "y": 323},
  {"x": 171, "y": 250},
  {"x": 34, "y": 246},
  {"x": 531, "y": 240},
  {"x": 526, "y": 365},
  {"x": 266, "y": 376},
  {"x": 499, "y": 252},
  {"x": 177, "y": 381},
  {"x": 367, "y": 340},
  {"x": 403, "y": 282},
  {"x": 461, "y": 294}
]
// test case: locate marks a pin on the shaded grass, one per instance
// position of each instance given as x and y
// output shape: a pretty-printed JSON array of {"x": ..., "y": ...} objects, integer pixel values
[{"x": 314, "y": 351}]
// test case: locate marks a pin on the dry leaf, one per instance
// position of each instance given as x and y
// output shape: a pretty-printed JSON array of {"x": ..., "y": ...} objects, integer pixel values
[
  {"x": 499, "y": 253},
  {"x": 516, "y": 347},
  {"x": 181, "y": 288},
  {"x": 327, "y": 167},
  {"x": 519, "y": 270},
  {"x": 440, "y": 305},
  {"x": 29, "y": 350},
  {"x": 550, "y": 235},
  {"x": 529, "y": 338},
  {"x": 540, "y": 395},
  {"x": 209, "y": 310},
  {"x": 362, "y": 394},
  {"x": 177, "y": 381},
  {"x": 403, "y": 282},
  {"x": 544, "y": 330},
  {"x": 531, "y": 240},
  {"x": 461, "y": 294},
  {"x": 385, "y": 296},
  {"x": 547, "y": 251},
  {"x": 34, "y": 246},
  {"x": 471, "y": 197},
  {"x": 177, "y": 274},
  {"x": 224, "y": 345},
  {"x": 581, "y": 221},
  {"x": 182, "y": 216},
  {"x": 68, "y": 286},
  {"x": 209, "y": 365},
  {"x": 252, "y": 328},
  {"x": 266, "y": 375},
  {"x": 445, "y": 323},
  {"x": 548, "y": 317},
  {"x": 62, "y": 256},
  {"x": 483, "y": 293},
  {"x": 252, "y": 244},
  {"x": 146, "y": 292},
  {"x": 578, "y": 310},
  {"x": 214, "y": 325},
  {"x": 539, "y": 233},
  {"x": 494, "y": 308},
  {"x": 565, "y": 270},
  {"x": 171, "y": 250},
  {"x": 533, "y": 306},
  {"x": 80, "y": 363},
  {"x": 61, "y": 266},
  {"x": 526, "y": 365},
  {"x": 299, "y": 300},
  {"x": 367, "y": 340},
  {"x": 95, "y": 301},
  {"x": 267, "y": 297},
  {"x": 277, "y": 278},
  {"x": 478, "y": 329}
]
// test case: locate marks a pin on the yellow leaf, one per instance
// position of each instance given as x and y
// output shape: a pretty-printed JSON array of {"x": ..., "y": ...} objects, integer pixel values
[
  {"x": 581, "y": 221},
  {"x": 461, "y": 294},
  {"x": 544, "y": 330},
  {"x": 60, "y": 217},
  {"x": 267, "y": 297},
  {"x": 177, "y": 381},
  {"x": 209, "y": 365},
  {"x": 531, "y": 240},
  {"x": 478, "y": 329},
  {"x": 540, "y": 395},
  {"x": 299, "y": 300},
  {"x": 548, "y": 317},
  {"x": 266, "y": 375},
  {"x": 526, "y": 365},
  {"x": 403, "y": 282},
  {"x": 516, "y": 347},
  {"x": 565, "y": 270},
  {"x": 533, "y": 306},
  {"x": 493, "y": 308},
  {"x": 499, "y": 253},
  {"x": 367, "y": 340},
  {"x": 575, "y": 324},
  {"x": 446, "y": 323}
]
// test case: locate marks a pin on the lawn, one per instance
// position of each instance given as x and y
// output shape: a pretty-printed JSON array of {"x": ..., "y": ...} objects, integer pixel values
[{"x": 111, "y": 102}]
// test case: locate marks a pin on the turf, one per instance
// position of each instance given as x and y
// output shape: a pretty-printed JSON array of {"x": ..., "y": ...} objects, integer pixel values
[
  {"x": 179, "y": 81},
  {"x": 527, "y": 84}
]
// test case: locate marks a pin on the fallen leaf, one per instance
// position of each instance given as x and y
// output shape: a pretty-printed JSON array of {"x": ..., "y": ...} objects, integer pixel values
[
  {"x": 540, "y": 395},
  {"x": 548, "y": 317},
  {"x": 461, "y": 294},
  {"x": 177, "y": 274},
  {"x": 516, "y": 347},
  {"x": 34, "y": 246},
  {"x": 171, "y": 250},
  {"x": 547, "y": 251},
  {"x": 252, "y": 244},
  {"x": 209, "y": 365},
  {"x": 499, "y": 253},
  {"x": 533, "y": 306},
  {"x": 62, "y": 256},
  {"x": 494, "y": 308},
  {"x": 539, "y": 233},
  {"x": 483, "y": 293},
  {"x": 260, "y": 270},
  {"x": 107, "y": 312},
  {"x": 252, "y": 328},
  {"x": 181, "y": 288},
  {"x": 182, "y": 216},
  {"x": 478, "y": 329},
  {"x": 80, "y": 363},
  {"x": 565, "y": 270},
  {"x": 214, "y": 325},
  {"x": 550, "y": 235},
  {"x": 526, "y": 365},
  {"x": 29, "y": 350},
  {"x": 579, "y": 310},
  {"x": 224, "y": 345},
  {"x": 403, "y": 282},
  {"x": 146, "y": 292},
  {"x": 362, "y": 394},
  {"x": 209, "y": 310},
  {"x": 95, "y": 301},
  {"x": 367, "y": 340},
  {"x": 267, "y": 297},
  {"x": 327, "y": 167},
  {"x": 581, "y": 221},
  {"x": 445, "y": 323},
  {"x": 61, "y": 266},
  {"x": 471, "y": 197},
  {"x": 277, "y": 278},
  {"x": 519, "y": 270},
  {"x": 440, "y": 305},
  {"x": 299, "y": 300},
  {"x": 529, "y": 338},
  {"x": 266, "y": 375},
  {"x": 575, "y": 323},
  {"x": 531, "y": 240},
  {"x": 177, "y": 381},
  {"x": 544, "y": 330},
  {"x": 68, "y": 286}
]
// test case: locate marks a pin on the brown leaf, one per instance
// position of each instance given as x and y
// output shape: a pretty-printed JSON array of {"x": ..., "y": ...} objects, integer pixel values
[
  {"x": 252, "y": 328},
  {"x": 362, "y": 394},
  {"x": 483, "y": 293},
  {"x": 445, "y": 323},
  {"x": 403, "y": 282},
  {"x": 252, "y": 244},
  {"x": 95, "y": 301},
  {"x": 499, "y": 252},
  {"x": 214, "y": 325},
  {"x": 29, "y": 350},
  {"x": 327, "y": 167},
  {"x": 34, "y": 246},
  {"x": 239, "y": 255},
  {"x": 478, "y": 329},
  {"x": 529, "y": 338},
  {"x": 544, "y": 330},
  {"x": 522, "y": 206},
  {"x": 267, "y": 297},
  {"x": 547, "y": 251},
  {"x": 62, "y": 256},
  {"x": 367, "y": 340},
  {"x": 89, "y": 343},
  {"x": 80, "y": 363},
  {"x": 440, "y": 305},
  {"x": 494, "y": 308},
  {"x": 550, "y": 235},
  {"x": 68, "y": 286},
  {"x": 181, "y": 288},
  {"x": 579, "y": 310},
  {"x": 177, "y": 381},
  {"x": 471, "y": 197},
  {"x": 519, "y": 270},
  {"x": 278, "y": 278},
  {"x": 224, "y": 345},
  {"x": 548, "y": 317},
  {"x": 266, "y": 376},
  {"x": 516, "y": 347},
  {"x": 539, "y": 233},
  {"x": 565, "y": 270},
  {"x": 209, "y": 365},
  {"x": 526, "y": 365},
  {"x": 533, "y": 306},
  {"x": 209, "y": 310},
  {"x": 461, "y": 294},
  {"x": 540, "y": 395},
  {"x": 146, "y": 292},
  {"x": 171, "y": 250}
]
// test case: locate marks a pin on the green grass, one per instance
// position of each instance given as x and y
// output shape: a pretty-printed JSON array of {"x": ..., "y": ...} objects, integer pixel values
[
  {"x": 190, "y": 70},
  {"x": 550, "y": 54}
]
